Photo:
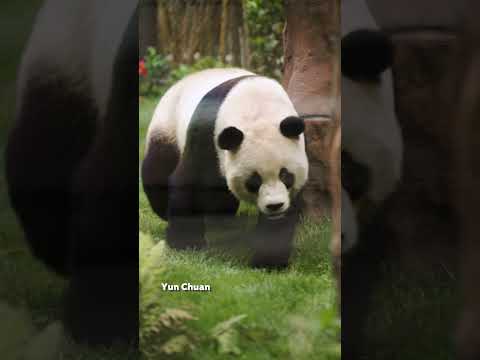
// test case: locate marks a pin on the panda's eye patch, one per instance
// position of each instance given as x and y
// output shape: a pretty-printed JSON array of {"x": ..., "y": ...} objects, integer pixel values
[
  {"x": 355, "y": 177},
  {"x": 287, "y": 178},
  {"x": 253, "y": 183}
]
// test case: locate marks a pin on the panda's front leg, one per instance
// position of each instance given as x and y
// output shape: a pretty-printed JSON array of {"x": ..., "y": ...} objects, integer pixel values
[
  {"x": 273, "y": 240},
  {"x": 186, "y": 227}
]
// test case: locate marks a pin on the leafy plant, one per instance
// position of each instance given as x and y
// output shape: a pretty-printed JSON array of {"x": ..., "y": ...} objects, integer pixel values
[
  {"x": 265, "y": 21},
  {"x": 153, "y": 72},
  {"x": 203, "y": 63},
  {"x": 158, "y": 72},
  {"x": 226, "y": 335}
]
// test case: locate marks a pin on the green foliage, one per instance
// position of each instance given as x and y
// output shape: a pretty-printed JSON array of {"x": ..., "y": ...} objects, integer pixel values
[
  {"x": 153, "y": 69},
  {"x": 161, "y": 72},
  {"x": 265, "y": 21},
  {"x": 201, "y": 64},
  {"x": 227, "y": 336},
  {"x": 157, "y": 66}
]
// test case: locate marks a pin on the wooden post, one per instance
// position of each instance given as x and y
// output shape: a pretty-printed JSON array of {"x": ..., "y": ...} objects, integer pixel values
[
  {"x": 312, "y": 80},
  {"x": 223, "y": 30},
  {"x": 311, "y": 40}
]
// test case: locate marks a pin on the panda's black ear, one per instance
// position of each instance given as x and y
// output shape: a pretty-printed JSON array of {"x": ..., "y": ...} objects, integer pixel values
[
  {"x": 230, "y": 138},
  {"x": 366, "y": 54},
  {"x": 292, "y": 126}
]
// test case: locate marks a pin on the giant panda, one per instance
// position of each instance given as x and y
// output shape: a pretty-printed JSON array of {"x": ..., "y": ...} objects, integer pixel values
[
  {"x": 372, "y": 153},
  {"x": 371, "y": 136},
  {"x": 218, "y": 137},
  {"x": 71, "y": 160}
]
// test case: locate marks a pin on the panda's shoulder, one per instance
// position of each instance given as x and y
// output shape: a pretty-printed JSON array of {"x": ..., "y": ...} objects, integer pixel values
[{"x": 192, "y": 89}]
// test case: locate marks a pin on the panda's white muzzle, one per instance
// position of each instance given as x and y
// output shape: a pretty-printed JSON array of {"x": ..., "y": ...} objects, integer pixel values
[{"x": 273, "y": 200}]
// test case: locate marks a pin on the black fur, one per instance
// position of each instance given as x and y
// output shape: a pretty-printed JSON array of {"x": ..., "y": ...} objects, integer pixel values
[
  {"x": 73, "y": 182},
  {"x": 287, "y": 178},
  {"x": 366, "y": 54},
  {"x": 230, "y": 138},
  {"x": 155, "y": 178},
  {"x": 253, "y": 183},
  {"x": 196, "y": 187},
  {"x": 53, "y": 130},
  {"x": 292, "y": 127},
  {"x": 273, "y": 239}
]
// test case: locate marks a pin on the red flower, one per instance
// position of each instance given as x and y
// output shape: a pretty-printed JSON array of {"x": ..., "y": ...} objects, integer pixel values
[{"x": 142, "y": 70}]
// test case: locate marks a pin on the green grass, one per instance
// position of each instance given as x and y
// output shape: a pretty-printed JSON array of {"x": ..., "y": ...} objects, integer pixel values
[
  {"x": 253, "y": 314},
  {"x": 414, "y": 314}
]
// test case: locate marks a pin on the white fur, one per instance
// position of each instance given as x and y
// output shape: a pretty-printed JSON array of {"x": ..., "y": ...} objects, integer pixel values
[
  {"x": 370, "y": 131},
  {"x": 175, "y": 109},
  {"x": 82, "y": 39},
  {"x": 256, "y": 106},
  {"x": 349, "y": 223}
]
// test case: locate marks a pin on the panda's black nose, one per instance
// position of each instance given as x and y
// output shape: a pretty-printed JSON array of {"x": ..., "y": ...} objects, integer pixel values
[{"x": 274, "y": 207}]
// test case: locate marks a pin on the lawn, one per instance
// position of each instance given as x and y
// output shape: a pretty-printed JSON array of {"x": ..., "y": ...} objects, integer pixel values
[
  {"x": 249, "y": 314},
  {"x": 414, "y": 314}
]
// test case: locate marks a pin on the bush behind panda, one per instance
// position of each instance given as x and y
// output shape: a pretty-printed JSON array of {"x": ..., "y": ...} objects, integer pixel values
[{"x": 218, "y": 137}]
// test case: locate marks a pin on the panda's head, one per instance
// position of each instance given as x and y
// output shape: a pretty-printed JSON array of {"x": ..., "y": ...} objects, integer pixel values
[
  {"x": 371, "y": 136},
  {"x": 263, "y": 147}
]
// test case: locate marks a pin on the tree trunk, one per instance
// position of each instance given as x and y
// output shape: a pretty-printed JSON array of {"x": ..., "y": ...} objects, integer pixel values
[
  {"x": 223, "y": 30},
  {"x": 210, "y": 28},
  {"x": 163, "y": 29},
  {"x": 236, "y": 31},
  {"x": 244, "y": 40},
  {"x": 311, "y": 77}
]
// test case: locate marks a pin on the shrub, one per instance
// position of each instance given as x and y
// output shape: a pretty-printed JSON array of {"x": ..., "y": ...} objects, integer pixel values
[
  {"x": 265, "y": 20},
  {"x": 158, "y": 72},
  {"x": 153, "y": 71}
]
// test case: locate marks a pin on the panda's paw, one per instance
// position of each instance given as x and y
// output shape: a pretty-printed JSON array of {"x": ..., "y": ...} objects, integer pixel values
[
  {"x": 186, "y": 243},
  {"x": 186, "y": 233},
  {"x": 269, "y": 261}
]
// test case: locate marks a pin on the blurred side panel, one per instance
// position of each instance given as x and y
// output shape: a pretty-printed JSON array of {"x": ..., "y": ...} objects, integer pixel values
[
  {"x": 467, "y": 156},
  {"x": 71, "y": 172}
]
